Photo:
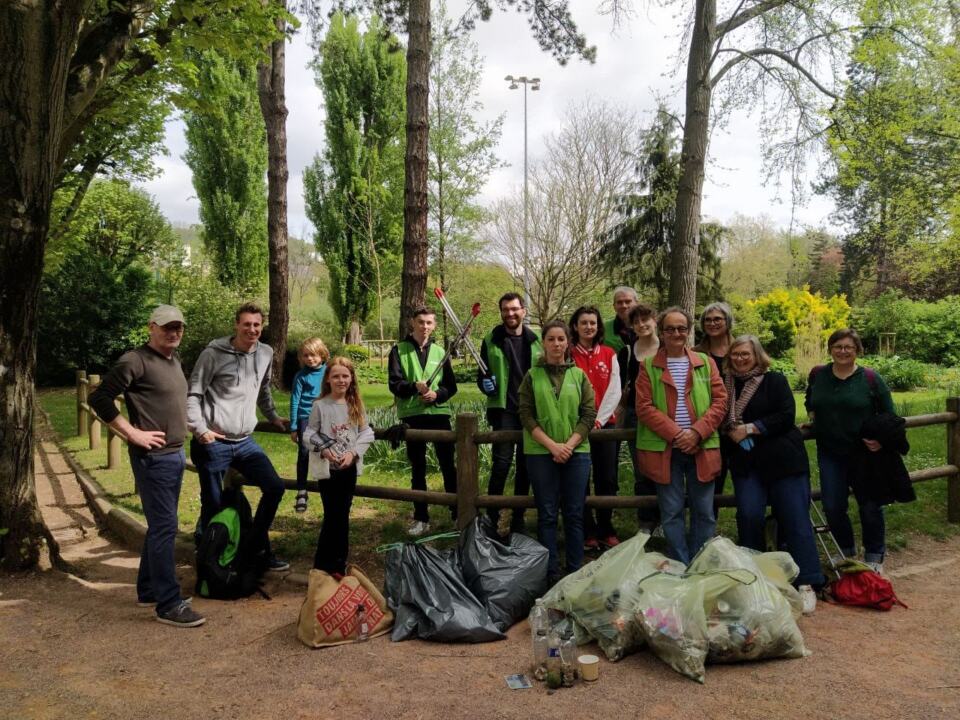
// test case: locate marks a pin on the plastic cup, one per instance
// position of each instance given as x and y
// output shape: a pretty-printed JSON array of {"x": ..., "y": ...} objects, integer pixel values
[{"x": 589, "y": 667}]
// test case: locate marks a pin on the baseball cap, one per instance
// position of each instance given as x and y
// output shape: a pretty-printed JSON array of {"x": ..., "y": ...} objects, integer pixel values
[{"x": 166, "y": 314}]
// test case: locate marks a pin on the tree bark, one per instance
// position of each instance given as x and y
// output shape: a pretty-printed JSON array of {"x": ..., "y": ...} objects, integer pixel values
[
  {"x": 37, "y": 47},
  {"x": 270, "y": 84},
  {"x": 414, "y": 278},
  {"x": 685, "y": 253}
]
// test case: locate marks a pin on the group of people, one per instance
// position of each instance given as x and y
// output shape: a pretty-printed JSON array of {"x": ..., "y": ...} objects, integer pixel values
[{"x": 697, "y": 413}]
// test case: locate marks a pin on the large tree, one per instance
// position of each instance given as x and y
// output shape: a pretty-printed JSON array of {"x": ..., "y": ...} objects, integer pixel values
[
  {"x": 56, "y": 61},
  {"x": 353, "y": 190},
  {"x": 230, "y": 185}
]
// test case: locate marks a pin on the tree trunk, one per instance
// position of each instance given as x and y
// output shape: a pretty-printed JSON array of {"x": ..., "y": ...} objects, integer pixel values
[
  {"x": 414, "y": 279},
  {"x": 354, "y": 333},
  {"x": 270, "y": 86},
  {"x": 685, "y": 254},
  {"x": 37, "y": 47}
]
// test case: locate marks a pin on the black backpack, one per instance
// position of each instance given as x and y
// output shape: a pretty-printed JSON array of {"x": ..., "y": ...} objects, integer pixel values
[{"x": 229, "y": 565}]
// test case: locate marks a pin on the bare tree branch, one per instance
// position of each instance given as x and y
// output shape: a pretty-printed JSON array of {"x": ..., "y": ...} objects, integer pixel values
[{"x": 780, "y": 54}]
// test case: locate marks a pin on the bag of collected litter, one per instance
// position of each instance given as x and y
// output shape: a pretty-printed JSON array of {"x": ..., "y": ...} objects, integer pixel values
[
  {"x": 748, "y": 621},
  {"x": 602, "y": 596},
  {"x": 670, "y": 610},
  {"x": 505, "y": 576},
  {"x": 329, "y": 615},
  {"x": 425, "y": 589}
]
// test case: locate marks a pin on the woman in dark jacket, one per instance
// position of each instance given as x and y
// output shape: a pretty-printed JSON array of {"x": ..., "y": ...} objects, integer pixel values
[{"x": 768, "y": 462}]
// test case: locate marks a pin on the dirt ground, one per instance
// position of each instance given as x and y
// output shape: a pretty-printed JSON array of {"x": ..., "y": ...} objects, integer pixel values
[{"x": 77, "y": 646}]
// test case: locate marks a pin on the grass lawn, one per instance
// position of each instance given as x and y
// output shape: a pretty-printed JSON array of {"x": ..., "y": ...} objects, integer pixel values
[{"x": 375, "y": 522}]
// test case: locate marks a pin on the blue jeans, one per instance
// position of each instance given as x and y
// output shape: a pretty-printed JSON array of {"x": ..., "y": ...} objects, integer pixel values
[
  {"x": 248, "y": 458},
  {"x": 835, "y": 493},
  {"x": 502, "y": 455},
  {"x": 563, "y": 487},
  {"x": 158, "y": 479},
  {"x": 789, "y": 497},
  {"x": 672, "y": 500}
]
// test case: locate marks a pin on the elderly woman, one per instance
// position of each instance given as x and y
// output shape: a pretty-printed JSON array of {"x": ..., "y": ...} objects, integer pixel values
[
  {"x": 681, "y": 402},
  {"x": 716, "y": 334},
  {"x": 840, "y": 397},
  {"x": 557, "y": 411},
  {"x": 768, "y": 461}
]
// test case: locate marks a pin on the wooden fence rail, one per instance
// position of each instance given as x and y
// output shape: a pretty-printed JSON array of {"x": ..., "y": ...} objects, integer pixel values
[{"x": 468, "y": 439}]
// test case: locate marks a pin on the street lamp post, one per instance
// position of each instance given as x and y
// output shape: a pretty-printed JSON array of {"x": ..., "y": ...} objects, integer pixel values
[{"x": 534, "y": 84}]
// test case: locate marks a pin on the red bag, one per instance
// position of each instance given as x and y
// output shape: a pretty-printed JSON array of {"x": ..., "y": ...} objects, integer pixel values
[{"x": 864, "y": 588}]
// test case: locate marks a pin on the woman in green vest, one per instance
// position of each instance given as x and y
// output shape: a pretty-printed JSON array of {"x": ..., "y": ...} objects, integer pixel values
[
  {"x": 557, "y": 411},
  {"x": 681, "y": 402}
]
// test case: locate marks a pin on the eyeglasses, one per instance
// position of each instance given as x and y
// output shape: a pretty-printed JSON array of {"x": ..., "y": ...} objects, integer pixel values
[
  {"x": 844, "y": 348},
  {"x": 741, "y": 355},
  {"x": 676, "y": 330},
  {"x": 713, "y": 320}
]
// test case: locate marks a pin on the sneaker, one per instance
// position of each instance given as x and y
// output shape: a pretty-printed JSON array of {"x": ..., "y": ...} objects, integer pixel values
[
  {"x": 183, "y": 615},
  {"x": 275, "y": 564},
  {"x": 610, "y": 541},
  {"x": 300, "y": 504},
  {"x": 877, "y": 567},
  {"x": 153, "y": 603},
  {"x": 591, "y": 544},
  {"x": 808, "y": 599},
  {"x": 658, "y": 532},
  {"x": 418, "y": 528}
]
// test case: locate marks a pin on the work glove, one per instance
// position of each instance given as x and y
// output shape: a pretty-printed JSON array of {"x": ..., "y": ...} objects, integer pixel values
[
  {"x": 395, "y": 434},
  {"x": 489, "y": 384},
  {"x": 747, "y": 444}
]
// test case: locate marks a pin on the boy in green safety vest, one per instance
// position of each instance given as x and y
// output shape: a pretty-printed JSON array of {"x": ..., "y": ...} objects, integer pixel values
[
  {"x": 509, "y": 350},
  {"x": 422, "y": 406}
]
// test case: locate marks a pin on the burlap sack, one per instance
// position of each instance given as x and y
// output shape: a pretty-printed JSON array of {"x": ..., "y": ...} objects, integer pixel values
[{"x": 329, "y": 613}]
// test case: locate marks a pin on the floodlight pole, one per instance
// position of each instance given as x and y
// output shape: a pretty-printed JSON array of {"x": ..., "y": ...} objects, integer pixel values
[{"x": 534, "y": 84}]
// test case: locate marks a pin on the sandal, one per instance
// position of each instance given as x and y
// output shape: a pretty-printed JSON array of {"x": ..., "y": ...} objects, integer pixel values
[{"x": 300, "y": 505}]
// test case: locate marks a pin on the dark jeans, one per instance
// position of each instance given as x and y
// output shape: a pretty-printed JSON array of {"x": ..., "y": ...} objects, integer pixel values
[
  {"x": 333, "y": 545},
  {"x": 647, "y": 517},
  {"x": 502, "y": 455},
  {"x": 604, "y": 459},
  {"x": 560, "y": 487},
  {"x": 789, "y": 498},
  {"x": 248, "y": 458},
  {"x": 303, "y": 457},
  {"x": 417, "y": 455},
  {"x": 835, "y": 493},
  {"x": 158, "y": 479},
  {"x": 684, "y": 488}
]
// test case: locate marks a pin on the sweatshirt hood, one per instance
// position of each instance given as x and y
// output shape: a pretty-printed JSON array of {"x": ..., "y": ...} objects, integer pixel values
[{"x": 258, "y": 352}]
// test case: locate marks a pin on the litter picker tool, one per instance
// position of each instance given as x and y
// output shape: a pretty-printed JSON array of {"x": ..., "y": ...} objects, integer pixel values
[
  {"x": 474, "y": 311},
  {"x": 467, "y": 342}
]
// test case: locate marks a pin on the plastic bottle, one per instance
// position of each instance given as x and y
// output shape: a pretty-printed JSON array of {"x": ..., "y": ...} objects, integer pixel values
[
  {"x": 363, "y": 629},
  {"x": 539, "y": 631},
  {"x": 554, "y": 663}
]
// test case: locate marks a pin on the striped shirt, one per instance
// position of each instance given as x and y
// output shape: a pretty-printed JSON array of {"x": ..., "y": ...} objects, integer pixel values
[{"x": 678, "y": 368}]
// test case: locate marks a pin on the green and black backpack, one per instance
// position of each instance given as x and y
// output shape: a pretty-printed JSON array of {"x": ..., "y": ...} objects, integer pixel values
[{"x": 228, "y": 564}]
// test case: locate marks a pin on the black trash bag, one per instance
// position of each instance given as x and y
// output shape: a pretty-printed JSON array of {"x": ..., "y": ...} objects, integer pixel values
[
  {"x": 430, "y": 600},
  {"x": 507, "y": 576}
]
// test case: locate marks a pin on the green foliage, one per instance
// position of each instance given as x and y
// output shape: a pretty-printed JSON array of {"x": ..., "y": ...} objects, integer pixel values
[
  {"x": 89, "y": 312},
  {"x": 357, "y": 353},
  {"x": 227, "y": 153},
  {"x": 784, "y": 311},
  {"x": 354, "y": 191},
  {"x": 785, "y": 366},
  {"x": 899, "y": 373},
  {"x": 924, "y": 331},
  {"x": 208, "y": 309}
]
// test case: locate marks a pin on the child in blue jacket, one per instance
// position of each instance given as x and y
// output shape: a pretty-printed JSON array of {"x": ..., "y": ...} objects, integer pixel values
[{"x": 313, "y": 356}]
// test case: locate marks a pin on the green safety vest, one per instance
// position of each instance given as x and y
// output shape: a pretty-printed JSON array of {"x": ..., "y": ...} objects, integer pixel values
[
  {"x": 556, "y": 415},
  {"x": 647, "y": 439},
  {"x": 497, "y": 364},
  {"x": 610, "y": 338},
  {"x": 412, "y": 371}
]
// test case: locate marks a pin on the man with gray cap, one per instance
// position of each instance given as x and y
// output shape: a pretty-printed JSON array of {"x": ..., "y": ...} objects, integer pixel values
[
  {"x": 155, "y": 390},
  {"x": 230, "y": 379}
]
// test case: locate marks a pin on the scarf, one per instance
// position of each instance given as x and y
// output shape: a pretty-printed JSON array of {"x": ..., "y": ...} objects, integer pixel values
[{"x": 736, "y": 404}]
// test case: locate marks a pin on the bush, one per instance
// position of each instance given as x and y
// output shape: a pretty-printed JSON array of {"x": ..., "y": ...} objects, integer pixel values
[
  {"x": 208, "y": 309},
  {"x": 357, "y": 353},
  {"x": 465, "y": 373},
  {"x": 786, "y": 311},
  {"x": 924, "y": 331},
  {"x": 899, "y": 373},
  {"x": 786, "y": 366}
]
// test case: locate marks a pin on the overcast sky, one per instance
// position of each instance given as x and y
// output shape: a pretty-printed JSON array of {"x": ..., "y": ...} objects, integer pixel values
[{"x": 635, "y": 64}]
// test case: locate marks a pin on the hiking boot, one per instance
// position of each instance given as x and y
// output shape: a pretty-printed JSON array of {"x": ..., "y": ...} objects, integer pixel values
[
  {"x": 300, "y": 504},
  {"x": 275, "y": 564},
  {"x": 808, "y": 599},
  {"x": 418, "y": 528},
  {"x": 591, "y": 544},
  {"x": 183, "y": 615}
]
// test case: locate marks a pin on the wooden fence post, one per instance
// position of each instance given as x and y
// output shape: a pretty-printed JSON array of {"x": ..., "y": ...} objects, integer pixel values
[
  {"x": 113, "y": 443},
  {"x": 93, "y": 426},
  {"x": 468, "y": 469},
  {"x": 81, "y": 398},
  {"x": 953, "y": 458}
]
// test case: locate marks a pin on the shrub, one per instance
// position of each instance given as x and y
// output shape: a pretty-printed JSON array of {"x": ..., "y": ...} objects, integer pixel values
[
  {"x": 924, "y": 331},
  {"x": 208, "y": 309},
  {"x": 784, "y": 311},
  {"x": 358, "y": 353},
  {"x": 786, "y": 366},
  {"x": 899, "y": 373}
]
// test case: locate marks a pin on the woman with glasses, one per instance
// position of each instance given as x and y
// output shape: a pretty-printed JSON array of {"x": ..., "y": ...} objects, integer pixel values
[
  {"x": 681, "y": 402},
  {"x": 716, "y": 334},
  {"x": 768, "y": 461},
  {"x": 840, "y": 397}
]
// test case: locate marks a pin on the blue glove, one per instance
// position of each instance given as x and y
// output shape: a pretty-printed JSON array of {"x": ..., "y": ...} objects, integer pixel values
[
  {"x": 489, "y": 385},
  {"x": 747, "y": 444}
]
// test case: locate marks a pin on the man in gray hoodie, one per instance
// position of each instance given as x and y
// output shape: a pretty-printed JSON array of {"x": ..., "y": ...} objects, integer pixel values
[{"x": 229, "y": 381}]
